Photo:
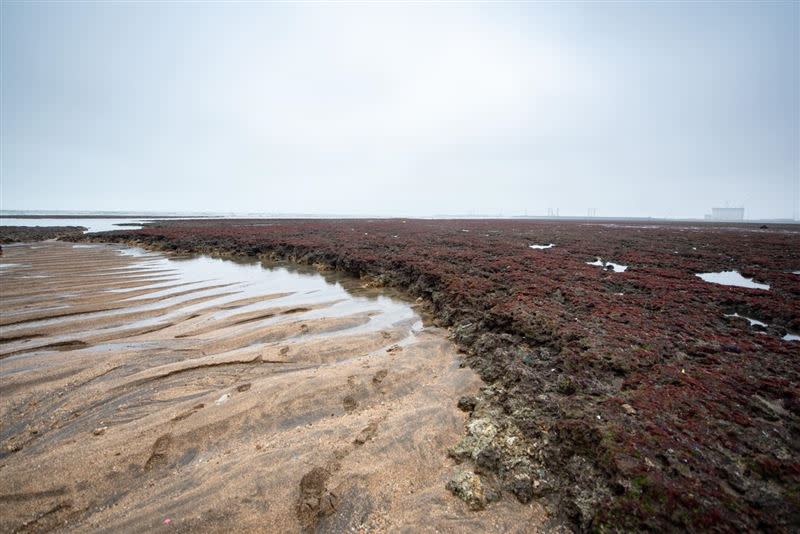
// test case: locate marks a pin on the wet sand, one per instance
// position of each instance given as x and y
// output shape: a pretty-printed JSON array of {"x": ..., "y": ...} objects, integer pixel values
[{"x": 136, "y": 395}]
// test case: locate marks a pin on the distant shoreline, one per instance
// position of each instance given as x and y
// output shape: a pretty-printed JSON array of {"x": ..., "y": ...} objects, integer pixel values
[
  {"x": 152, "y": 217},
  {"x": 79, "y": 216}
]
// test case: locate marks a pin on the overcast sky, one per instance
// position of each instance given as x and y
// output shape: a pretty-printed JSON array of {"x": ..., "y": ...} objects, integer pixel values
[{"x": 635, "y": 109}]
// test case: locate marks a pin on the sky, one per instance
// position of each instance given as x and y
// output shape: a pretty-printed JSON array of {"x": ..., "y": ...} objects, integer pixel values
[{"x": 660, "y": 109}]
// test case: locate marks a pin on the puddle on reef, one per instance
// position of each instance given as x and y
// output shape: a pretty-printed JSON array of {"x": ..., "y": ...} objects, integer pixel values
[
  {"x": 541, "y": 247},
  {"x": 616, "y": 267},
  {"x": 731, "y": 278},
  {"x": 762, "y": 327},
  {"x": 753, "y": 322}
]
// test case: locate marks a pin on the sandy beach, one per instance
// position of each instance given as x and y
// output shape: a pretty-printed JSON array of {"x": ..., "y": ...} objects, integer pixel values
[{"x": 137, "y": 396}]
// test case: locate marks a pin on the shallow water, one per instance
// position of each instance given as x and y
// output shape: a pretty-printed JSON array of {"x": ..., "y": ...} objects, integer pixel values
[
  {"x": 203, "y": 282},
  {"x": 93, "y": 225},
  {"x": 305, "y": 286},
  {"x": 731, "y": 278}
]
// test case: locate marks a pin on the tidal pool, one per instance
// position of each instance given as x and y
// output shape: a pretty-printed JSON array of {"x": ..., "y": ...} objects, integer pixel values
[{"x": 731, "y": 278}]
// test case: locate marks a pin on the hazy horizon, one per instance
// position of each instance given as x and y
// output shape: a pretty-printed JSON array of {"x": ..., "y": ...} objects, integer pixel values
[
  {"x": 631, "y": 109},
  {"x": 7, "y": 215}
]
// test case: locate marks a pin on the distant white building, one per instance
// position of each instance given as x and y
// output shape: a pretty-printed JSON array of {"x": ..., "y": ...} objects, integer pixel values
[{"x": 726, "y": 214}]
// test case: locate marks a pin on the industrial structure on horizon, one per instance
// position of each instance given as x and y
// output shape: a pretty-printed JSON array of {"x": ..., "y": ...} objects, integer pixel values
[{"x": 726, "y": 214}]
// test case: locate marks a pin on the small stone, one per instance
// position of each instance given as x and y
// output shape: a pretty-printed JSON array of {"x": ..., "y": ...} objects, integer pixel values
[
  {"x": 467, "y": 403},
  {"x": 469, "y": 488},
  {"x": 100, "y": 431},
  {"x": 630, "y": 410},
  {"x": 482, "y": 429}
]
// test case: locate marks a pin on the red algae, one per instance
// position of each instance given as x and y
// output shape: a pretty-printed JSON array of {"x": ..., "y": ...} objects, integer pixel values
[{"x": 640, "y": 404}]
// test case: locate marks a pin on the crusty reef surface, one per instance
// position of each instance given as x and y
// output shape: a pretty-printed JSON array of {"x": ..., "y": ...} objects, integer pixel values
[{"x": 631, "y": 400}]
